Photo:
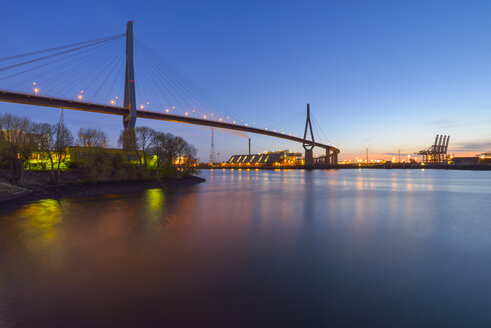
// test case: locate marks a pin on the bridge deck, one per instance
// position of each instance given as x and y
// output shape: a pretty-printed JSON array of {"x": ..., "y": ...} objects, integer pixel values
[{"x": 46, "y": 101}]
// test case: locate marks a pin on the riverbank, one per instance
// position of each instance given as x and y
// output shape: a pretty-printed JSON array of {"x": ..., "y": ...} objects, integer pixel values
[
  {"x": 37, "y": 187},
  {"x": 9, "y": 192}
]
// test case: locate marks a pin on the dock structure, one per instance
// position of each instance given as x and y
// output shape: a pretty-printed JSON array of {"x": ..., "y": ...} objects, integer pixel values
[{"x": 436, "y": 153}]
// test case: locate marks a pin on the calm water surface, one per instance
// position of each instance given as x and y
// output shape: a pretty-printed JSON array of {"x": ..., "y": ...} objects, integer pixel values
[{"x": 354, "y": 248}]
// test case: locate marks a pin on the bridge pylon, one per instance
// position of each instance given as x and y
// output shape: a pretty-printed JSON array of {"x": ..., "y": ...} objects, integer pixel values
[
  {"x": 309, "y": 156},
  {"x": 129, "y": 140}
]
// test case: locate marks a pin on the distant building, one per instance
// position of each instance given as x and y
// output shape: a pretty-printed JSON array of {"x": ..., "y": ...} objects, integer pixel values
[
  {"x": 280, "y": 158},
  {"x": 474, "y": 160},
  {"x": 485, "y": 158}
]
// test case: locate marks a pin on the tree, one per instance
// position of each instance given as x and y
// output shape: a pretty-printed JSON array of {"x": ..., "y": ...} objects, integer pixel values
[
  {"x": 53, "y": 140},
  {"x": 174, "y": 152},
  {"x": 64, "y": 139},
  {"x": 144, "y": 140},
  {"x": 17, "y": 144},
  {"x": 46, "y": 141},
  {"x": 92, "y": 138}
]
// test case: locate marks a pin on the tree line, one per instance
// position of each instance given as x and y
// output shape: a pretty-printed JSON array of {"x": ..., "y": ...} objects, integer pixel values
[{"x": 24, "y": 144}]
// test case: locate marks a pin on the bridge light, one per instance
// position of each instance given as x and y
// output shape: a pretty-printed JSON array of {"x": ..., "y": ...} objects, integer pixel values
[
  {"x": 142, "y": 106},
  {"x": 167, "y": 110},
  {"x": 186, "y": 113},
  {"x": 117, "y": 97},
  {"x": 148, "y": 102},
  {"x": 246, "y": 124},
  {"x": 173, "y": 107},
  {"x": 79, "y": 97},
  {"x": 33, "y": 83},
  {"x": 112, "y": 102},
  {"x": 81, "y": 91},
  {"x": 233, "y": 122},
  {"x": 204, "y": 116},
  {"x": 36, "y": 90}
]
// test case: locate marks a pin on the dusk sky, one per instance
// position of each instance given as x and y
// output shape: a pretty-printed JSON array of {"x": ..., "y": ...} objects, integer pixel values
[{"x": 382, "y": 75}]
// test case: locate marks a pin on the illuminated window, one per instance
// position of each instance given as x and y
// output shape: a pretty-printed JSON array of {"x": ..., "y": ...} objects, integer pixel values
[{"x": 239, "y": 159}]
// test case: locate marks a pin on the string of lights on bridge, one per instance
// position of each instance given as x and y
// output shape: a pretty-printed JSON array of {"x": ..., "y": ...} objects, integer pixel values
[{"x": 92, "y": 72}]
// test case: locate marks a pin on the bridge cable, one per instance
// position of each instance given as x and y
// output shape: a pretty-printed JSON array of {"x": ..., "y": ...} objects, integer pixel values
[
  {"x": 51, "y": 56},
  {"x": 60, "y": 47},
  {"x": 185, "y": 82}
]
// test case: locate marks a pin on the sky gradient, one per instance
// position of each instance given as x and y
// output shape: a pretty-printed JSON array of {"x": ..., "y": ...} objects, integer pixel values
[{"x": 382, "y": 75}]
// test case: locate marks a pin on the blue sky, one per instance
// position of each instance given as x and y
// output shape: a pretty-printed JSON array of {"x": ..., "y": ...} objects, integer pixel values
[{"x": 386, "y": 75}]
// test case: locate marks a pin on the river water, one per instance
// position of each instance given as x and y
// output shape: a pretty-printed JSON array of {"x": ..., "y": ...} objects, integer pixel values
[{"x": 353, "y": 248}]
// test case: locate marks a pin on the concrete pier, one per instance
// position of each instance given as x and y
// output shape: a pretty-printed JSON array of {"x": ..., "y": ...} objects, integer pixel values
[{"x": 309, "y": 158}]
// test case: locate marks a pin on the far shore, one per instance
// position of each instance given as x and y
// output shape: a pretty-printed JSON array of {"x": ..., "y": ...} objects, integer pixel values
[{"x": 393, "y": 166}]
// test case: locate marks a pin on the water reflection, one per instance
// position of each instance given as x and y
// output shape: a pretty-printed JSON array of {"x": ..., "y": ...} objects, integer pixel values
[
  {"x": 40, "y": 221},
  {"x": 313, "y": 246},
  {"x": 155, "y": 205}
]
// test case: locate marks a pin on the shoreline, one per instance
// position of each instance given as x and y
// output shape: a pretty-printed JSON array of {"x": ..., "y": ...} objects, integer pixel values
[
  {"x": 76, "y": 190},
  {"x": 352, "y": 167}
]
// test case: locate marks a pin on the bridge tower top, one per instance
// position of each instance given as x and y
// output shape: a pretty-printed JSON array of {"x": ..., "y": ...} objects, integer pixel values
[{"x": 308, "y": 126}]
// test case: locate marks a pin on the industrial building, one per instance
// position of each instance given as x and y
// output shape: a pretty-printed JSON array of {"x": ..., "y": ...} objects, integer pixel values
[{"x": 280, "y": 158}]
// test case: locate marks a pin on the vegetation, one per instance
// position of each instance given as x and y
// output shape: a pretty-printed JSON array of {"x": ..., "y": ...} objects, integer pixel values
[
  {"x": 53, "y": 141},
  {"x": 17, "y": 143},
  {"x": 148, "y": 154}
]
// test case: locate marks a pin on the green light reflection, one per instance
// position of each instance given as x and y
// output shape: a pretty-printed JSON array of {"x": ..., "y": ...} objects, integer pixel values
[{"x": 155, "y": 201}]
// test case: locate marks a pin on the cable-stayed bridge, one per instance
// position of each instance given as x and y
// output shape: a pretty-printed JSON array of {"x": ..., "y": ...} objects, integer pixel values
[{"x": 88, "y": 76}]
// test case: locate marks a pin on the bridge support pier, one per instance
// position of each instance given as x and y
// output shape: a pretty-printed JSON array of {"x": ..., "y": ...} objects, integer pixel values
[
  {"x": 327, "y": 159},
  {"x": 309, "y": 158},
  {"x": 334, "y": 160}
]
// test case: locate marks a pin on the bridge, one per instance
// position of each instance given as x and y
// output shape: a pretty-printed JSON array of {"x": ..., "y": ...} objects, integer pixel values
[{"x": 129, "y": 111}]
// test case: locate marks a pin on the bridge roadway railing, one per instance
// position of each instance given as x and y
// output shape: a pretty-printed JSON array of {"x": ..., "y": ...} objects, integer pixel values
[{"x": 47, "y": 101}]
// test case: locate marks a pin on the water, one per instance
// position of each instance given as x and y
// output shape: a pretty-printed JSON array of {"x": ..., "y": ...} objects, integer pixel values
[{"x": 354, "y": 248}]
